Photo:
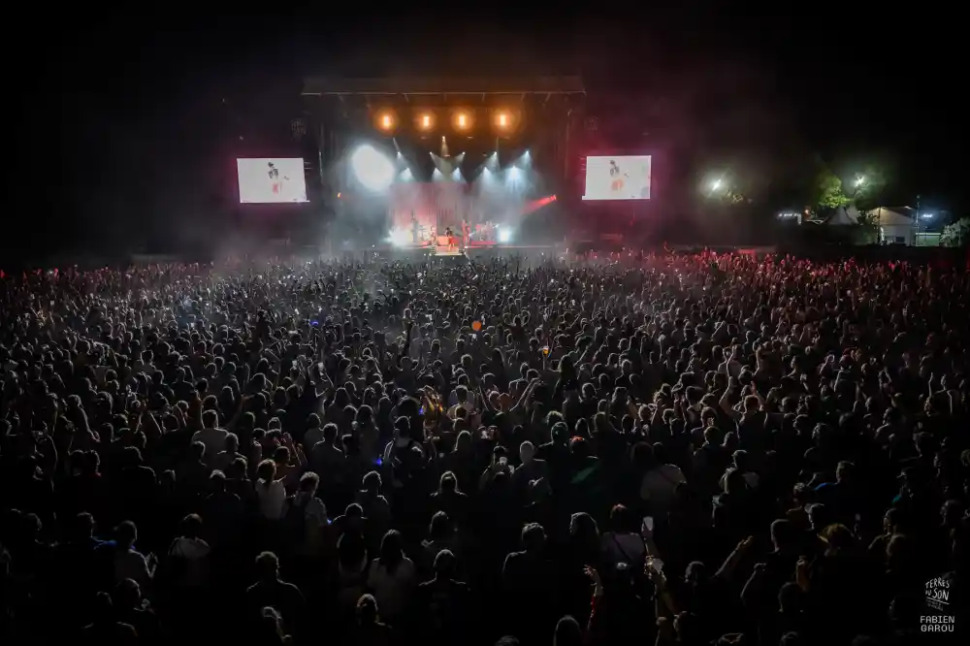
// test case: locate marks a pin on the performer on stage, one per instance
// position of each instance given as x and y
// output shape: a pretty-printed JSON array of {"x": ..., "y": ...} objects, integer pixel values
[
  {"x": 466, "y": 232},
  {"x": 616, "y": 185},
  {"x": 415, "y": 230},
  {"x": 452, "y": 242}
]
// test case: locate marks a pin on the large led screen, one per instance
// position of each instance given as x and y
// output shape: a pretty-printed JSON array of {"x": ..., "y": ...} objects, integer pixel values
[
  {"x": 271, "y": 181},
  {"x": 617, "y": 178}
]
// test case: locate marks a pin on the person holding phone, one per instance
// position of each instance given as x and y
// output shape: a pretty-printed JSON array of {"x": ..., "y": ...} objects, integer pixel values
[{"x": 499, "y": 464}]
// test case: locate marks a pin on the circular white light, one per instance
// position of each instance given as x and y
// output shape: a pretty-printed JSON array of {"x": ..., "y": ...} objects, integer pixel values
[{"x": 372, "y": 169}]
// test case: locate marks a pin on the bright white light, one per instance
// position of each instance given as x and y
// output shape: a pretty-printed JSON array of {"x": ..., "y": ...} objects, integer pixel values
[
  {"x": 406, "y": 175},
  {"x": 504, "y": 235},
  {"x": 399, "y": 237},
  {"x": 513, "y": 173},
  {"x": 927, "y": 216},
  {"x": 372, "y": 169},
  {"x": 716, "y": 185},
  {"x": 860, "y": 180},
  {"x": 437, "y": 175}
]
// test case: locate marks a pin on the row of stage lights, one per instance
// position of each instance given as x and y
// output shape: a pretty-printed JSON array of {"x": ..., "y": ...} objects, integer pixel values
[
  {"x": 501, "y": 121},
  {"x": 376, "y": 171}
]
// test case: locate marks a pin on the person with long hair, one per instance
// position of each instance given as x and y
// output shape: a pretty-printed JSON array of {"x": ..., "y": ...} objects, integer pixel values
[
  {"x": 270, "y": 494},
  {"x": 369, "y": 628},
  {"x": 392, "y": 577}
]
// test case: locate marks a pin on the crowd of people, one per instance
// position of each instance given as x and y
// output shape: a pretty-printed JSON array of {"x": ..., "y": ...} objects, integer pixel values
[{"x": 678, "y": 450}]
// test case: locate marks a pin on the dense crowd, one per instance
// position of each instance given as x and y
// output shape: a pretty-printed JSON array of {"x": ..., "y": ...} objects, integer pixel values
[{"x": 674, "y": 449}]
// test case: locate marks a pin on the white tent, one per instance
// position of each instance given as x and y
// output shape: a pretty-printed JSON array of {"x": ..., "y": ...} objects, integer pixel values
[{"x": 895, "y": 224}]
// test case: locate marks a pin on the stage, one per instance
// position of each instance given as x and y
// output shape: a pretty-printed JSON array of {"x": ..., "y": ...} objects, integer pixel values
[{"x": 472, "y": 252}]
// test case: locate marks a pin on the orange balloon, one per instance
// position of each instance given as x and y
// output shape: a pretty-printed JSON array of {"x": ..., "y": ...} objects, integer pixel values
[{"x": 477, "y": 326}]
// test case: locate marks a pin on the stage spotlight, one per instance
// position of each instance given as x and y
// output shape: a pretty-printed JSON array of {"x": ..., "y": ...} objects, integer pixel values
[
  {"x": 425, "y": 121},
  {"x": 503, "y": 121},
  {"x": 513, "y": 173},
  {"x": 462, "y": 120},
  {"x": 504, "y": 235},
  {"x": 372, "y": 169},
  {"x": 386, "y": 121},
  {"x": 406, "y": 175}
]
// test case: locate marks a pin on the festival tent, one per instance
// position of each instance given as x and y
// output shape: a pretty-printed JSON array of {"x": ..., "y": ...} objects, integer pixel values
[{"x": 895, "y": 224}]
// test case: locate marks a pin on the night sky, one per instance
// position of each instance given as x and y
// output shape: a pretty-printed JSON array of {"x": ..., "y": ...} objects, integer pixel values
[{"x": 129, "y": 121}]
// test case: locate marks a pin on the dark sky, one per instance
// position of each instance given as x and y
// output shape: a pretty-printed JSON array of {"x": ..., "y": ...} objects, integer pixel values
[{"x": 123, "y": 121}]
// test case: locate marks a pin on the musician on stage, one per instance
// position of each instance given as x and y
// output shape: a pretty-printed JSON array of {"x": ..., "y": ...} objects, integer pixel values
[
  {"x": 415, "y": 230},
  {"x": 452, "y": 241},
  {"x": 466, "y": 233}
]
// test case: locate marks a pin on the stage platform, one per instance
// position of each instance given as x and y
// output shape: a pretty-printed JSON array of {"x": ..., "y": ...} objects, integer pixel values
[
  {"x": 442, "y": 252},
  {"x": 471, "y": 253}
]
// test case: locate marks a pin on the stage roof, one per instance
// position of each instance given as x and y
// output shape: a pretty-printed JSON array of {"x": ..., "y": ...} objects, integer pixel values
[{"x": 328, "y": 86}]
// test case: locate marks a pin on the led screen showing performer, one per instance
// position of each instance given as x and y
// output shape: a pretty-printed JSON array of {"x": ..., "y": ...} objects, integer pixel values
[
  {"x": 617, "y": 178},
  {"x": 269, "y": 181}
]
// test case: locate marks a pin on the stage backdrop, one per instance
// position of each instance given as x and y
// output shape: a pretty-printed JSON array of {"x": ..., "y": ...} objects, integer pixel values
[{"x": 448, "y": 204}]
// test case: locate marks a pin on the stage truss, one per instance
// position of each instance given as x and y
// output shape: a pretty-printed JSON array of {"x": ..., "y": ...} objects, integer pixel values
[{"x": 339, "y": 111}]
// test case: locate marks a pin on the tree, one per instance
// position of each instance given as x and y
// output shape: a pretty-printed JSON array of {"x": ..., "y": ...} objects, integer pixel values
[
  {"x": 956, "y": 234},
  {"x": 830, "y": 195}
]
